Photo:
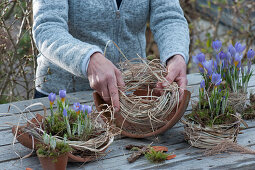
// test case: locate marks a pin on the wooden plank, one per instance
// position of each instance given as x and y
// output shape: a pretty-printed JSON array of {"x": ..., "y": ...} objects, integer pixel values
[{"x": 7, "y": 153}]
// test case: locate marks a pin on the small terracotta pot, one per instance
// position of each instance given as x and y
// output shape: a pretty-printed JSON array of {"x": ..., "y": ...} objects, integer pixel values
[
  {"x": 172, "y": 118},
  {"x": 48, "y": 163}
]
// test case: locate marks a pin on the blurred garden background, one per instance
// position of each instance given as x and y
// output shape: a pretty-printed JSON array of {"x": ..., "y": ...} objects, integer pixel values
[{"x": 227, "y": 20}]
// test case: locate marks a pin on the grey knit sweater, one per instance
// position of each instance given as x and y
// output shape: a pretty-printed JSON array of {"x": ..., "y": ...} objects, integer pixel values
[{"x": 68, "y": 32}]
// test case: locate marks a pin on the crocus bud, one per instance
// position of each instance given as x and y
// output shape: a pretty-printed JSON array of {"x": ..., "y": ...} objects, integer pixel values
[
  {"x": 62, "y": 95},
  {"x": 52, "y": 98}
]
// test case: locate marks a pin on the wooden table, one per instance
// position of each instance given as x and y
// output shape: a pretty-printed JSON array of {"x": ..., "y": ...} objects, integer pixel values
[{"x": 187, "y": 157}]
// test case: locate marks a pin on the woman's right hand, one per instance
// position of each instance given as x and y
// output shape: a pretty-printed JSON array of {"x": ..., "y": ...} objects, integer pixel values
[{"x": 105, "y": 78}]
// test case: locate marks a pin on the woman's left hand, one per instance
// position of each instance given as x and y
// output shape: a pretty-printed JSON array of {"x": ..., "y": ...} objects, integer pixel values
[{"x": 176, "y": 68}]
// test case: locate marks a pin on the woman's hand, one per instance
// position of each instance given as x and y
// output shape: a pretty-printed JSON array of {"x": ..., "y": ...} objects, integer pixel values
[
  {"x": 176, "y": 68},
  {"x": 105, "y": 78}
]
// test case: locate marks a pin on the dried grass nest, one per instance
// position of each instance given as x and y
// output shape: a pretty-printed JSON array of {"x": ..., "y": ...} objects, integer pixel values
[
  {"x": 210, "y": 136},
  {"x": 140, "y": 106},
  {"x": 102, "y": 137}
]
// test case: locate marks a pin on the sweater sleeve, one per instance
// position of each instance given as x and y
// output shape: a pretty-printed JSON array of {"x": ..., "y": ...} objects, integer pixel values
[
  {"x": 170, "y": 29},
  {"x": 51, "y": 36}
]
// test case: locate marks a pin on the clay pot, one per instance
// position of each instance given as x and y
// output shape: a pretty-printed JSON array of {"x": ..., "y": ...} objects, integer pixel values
[
  {"x": 24, "y": 138},
  {"x": 48, "y": 163},
  {"x": 172, "y": 118}
]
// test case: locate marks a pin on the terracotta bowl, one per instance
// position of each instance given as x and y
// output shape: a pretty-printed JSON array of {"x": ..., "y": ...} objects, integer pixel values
[
  {"x": 26, "y": 140},
  {"x": 142, "y": 132}
]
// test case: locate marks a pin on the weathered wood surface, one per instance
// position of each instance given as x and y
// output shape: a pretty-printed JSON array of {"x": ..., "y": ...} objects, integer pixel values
[{"x": 116, "y": 158}]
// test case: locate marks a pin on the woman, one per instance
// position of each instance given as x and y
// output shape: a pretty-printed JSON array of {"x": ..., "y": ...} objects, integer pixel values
[{"x": 71, "y": 35}]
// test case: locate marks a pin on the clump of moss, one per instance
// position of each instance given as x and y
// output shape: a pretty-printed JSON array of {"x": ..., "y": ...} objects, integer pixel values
[
  {"x": 206, "y": 118},
  {"x": 156, "y": 156},
  {"x": 47, "y": 151},
  {"x": 58, "y": 128}
]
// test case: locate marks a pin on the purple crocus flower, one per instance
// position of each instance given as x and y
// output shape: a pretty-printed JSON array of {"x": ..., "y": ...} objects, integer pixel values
[
  {"x": 64, "y": 113},
  {"x": 239, "y": 48},
  {"x": 77, "y": 107},
  {"x": 216, "y": 79},
  {"x": 237, "y": 60},
  {"x": 232, "y": 50},
  {"x": 222, "y": 55},
  {"x": 208, "y": 66},
  {"x": 62, "y": 95},
  {"x": 202, "y": 84},
  {"x": 52, "y": 98},
  {"x": 217, "y": 45},
  {"x": 199, "y": 59},
  {"x": 87, "y": 108},
  {"x": 250, "y": 54}
]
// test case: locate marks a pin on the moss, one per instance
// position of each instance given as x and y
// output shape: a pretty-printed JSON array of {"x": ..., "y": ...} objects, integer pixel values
[
  {"x": 205, "y": 118},
  {"x": 59, "y": 127},
  {"x": 156, "y": 156},
  {"x": 47, "y": 151}
]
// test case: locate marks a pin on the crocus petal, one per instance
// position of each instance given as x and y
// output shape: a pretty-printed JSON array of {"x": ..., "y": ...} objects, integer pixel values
[
  {"x": 208, "y": 66},
  {"x": 202, "y": 84},
  {"x": 232, "y": 50},
  {"x": 77, "y": 107},
  {"x": 239, "y": 48},
  {"x": 222, "y": 55},
  {"x": 218, "y": 82},
  {"x": 195, "y": 60},
  {"x": 216, "y": 79},
  {"x": 88, "y": 108}
]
